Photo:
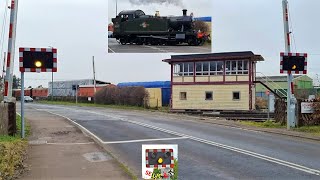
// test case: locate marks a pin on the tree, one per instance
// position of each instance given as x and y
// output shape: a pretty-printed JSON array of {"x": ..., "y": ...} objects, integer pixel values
[
  {"x": 1, "y": 84},
  {"x": 16, "y": 84},
  {"x": 202, "y": 26}
]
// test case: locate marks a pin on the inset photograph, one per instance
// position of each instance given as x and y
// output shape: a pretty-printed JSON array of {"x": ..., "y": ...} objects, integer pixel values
[{"x": 159, "y": 26}]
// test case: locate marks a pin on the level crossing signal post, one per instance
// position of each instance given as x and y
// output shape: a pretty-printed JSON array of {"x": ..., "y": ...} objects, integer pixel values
[{"x": 35, "y": 60}]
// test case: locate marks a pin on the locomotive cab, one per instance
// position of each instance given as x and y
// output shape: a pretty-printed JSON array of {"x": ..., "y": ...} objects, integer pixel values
[{"x": 131, "y": 14}]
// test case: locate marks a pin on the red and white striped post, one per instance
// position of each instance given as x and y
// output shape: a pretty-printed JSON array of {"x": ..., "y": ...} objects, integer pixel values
[
  {"x": 11, "y": 51},
  {"x": 291, "y": 120}
]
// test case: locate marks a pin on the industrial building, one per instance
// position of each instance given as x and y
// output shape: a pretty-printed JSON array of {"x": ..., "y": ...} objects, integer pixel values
[
  {"x": 216, "y": 81},
  {"x": 64, "y": 88},
  {"x": 159, "y": 92},
  {"x": 279, "y": 84}
]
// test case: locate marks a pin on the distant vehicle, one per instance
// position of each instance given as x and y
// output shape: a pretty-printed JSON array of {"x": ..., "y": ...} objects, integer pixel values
[
  {"x": 110, "y": 34},
  {"x": 28, "y": 99}
]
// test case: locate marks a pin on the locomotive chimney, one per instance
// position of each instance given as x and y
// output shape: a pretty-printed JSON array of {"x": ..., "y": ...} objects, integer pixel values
[{"x": 184, "y": 12}]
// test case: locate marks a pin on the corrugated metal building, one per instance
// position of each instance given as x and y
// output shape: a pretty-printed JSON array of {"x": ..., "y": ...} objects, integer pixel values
[
  {"x": 64, "y": 88},
  {"x": 163, "y": 86}
]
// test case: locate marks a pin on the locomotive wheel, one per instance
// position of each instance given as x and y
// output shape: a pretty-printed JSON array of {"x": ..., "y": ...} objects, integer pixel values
[
  {"x": 139, "y": 42},
  {"x": 123, "y": 41}
]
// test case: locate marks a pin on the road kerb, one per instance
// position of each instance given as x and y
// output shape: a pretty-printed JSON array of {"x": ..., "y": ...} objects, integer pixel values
[{"x": 100, "y": 143}]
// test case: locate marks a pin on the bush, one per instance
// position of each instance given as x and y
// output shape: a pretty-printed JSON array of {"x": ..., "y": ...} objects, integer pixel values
[
  {"x": 128, "y": 96},
  {"x": 12, "y": 154},
  {"x": 261, "y": 103}
]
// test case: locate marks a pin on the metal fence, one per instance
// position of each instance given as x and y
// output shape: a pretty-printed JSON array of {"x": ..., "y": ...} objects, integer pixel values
[{"x": 305, "y": 93}]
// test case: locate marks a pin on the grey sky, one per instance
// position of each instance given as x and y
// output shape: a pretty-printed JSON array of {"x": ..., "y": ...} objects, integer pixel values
[
  {"x": 199, "y": 7},
  {"x": 78, "y": 28},
  {"x": 258, "y": 26}
]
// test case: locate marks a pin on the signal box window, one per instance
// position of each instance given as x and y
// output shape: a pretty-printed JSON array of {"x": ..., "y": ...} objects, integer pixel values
[
  {"x": 183, "y": 96},
  {"x": 236, "y": 96},
  {"x": 209, "y": 96}
]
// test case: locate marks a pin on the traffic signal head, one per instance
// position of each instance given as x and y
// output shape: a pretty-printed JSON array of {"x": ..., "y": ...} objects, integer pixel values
[
  {"x": 38, "y": 60},
  {"x": 293, "y": 63},
  {"x": 159, "y": 158}
]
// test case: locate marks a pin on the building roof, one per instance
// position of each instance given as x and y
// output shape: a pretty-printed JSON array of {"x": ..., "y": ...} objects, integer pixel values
[
  {"x": 205, "y": 19},
  {"x": 82, "y": 80},
  {"x": 154, "y": 84},
  {"x": 92, "y": 86},
  {"x": 215, "y": 56},
  {"x": 278, "y": 78}
]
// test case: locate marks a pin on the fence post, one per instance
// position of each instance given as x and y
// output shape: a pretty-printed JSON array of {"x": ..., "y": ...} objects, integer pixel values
[{"x": 12, "y": 125}]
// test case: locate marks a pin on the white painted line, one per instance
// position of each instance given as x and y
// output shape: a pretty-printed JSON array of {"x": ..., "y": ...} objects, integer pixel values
[
  {"x": 144, "y": 140},
  {"x": 242, "y": 151},
  {"x": 155, "y": 48},
  {"x": 111, "y": 50}
]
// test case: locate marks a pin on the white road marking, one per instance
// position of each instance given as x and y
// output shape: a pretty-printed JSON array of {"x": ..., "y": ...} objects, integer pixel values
[
  {"x": 144, "y": 140},
  {"x": 155, "y": 48},
  {"x": 242, "y": 151},
  {"x": 111, "y": 50}
]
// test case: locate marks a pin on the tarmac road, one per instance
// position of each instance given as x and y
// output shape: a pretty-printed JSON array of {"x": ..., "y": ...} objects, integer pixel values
[
  {"x": 206, "y": 151},
  {"x": 115, "y": 47}
]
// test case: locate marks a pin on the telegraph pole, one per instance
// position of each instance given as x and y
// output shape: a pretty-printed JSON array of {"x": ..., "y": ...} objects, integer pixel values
[
  {"x": 94, "y": 76},
  {"x": 116, "y": 8},
  {"x": 2, "y": 73},
  {"x": 11, "y": 51},
  {"x": 291, "y": 120}
]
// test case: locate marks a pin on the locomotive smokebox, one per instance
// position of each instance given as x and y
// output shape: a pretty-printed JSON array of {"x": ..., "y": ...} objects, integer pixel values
[{"x": 184, "y": 12}]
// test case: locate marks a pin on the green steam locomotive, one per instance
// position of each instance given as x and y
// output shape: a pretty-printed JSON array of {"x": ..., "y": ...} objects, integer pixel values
[{"x": 135, "y": 27}]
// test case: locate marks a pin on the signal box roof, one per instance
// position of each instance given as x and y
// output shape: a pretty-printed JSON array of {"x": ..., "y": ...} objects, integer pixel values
[{"x": 215, "y": 56}]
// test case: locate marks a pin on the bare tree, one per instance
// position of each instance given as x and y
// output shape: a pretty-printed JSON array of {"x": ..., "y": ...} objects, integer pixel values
[{"x": 202, "y": 26}]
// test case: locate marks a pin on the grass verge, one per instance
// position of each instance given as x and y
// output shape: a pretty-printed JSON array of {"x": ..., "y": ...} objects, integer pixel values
[
  {"x": 91, "y": 105},
  {"x": 266, "y": 124},
  {"x": 162, "y": 109},
  {"x": 13, "y": 152},
  {"x": 314, "y": 130}
]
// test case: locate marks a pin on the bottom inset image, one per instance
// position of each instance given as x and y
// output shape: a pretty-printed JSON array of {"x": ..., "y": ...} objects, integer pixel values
[{"x": 160, "y": 162}]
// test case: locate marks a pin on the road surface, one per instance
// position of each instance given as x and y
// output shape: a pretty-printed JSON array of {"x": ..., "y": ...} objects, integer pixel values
[
  {"x": 115, "y": 47},
  {"x": 206, "y": 151}
]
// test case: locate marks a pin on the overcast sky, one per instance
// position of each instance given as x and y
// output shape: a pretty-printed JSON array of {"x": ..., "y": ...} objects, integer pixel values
[
  {"x": 78, "y": 28},
  {"x": 166, "y": 7}
]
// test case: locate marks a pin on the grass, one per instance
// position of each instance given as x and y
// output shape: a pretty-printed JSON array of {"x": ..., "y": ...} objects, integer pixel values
[
  {"x": 13, "y": 151},
  {"x": 266, "y": 124},
  {"x": 314, "y": 130},
  {"x": 27, "y": 127},
  {"x": 162, "y": 109}
]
